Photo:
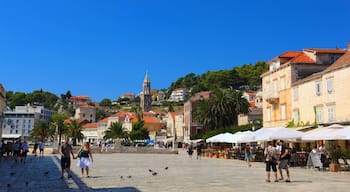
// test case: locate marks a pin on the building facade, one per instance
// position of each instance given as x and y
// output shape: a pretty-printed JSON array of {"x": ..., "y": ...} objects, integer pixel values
[
  {"x": 2, "y": 107},
  {"x": 179, "y": 94},
  {"x": 20, "y": 122},
  {"x": 285, "y": 70},
  {"x": 322, "y": 98},
  {"x": 86, "y": 112},
  {"x": 191, "y": 125},
  {"x": 145, "y": 96}
]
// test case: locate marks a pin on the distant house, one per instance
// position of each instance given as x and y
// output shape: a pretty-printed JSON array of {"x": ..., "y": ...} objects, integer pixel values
[
  {"x": 191, "y": 125},
  {"x": 179, "y": 94},
  {"x": 90, "y": 133},
  {"x": 86, "y": 112},
  {"x": 130, "y": 96},
  {"x": 79, "y": 100}
]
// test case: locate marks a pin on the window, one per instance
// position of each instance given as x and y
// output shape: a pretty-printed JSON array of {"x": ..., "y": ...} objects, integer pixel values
[
  {"x": 295, "y": 94},
  {"x": 331, "y": 115},
  {"x": 330, "y": 85},
  {"x": 267, "y": 89},
  {"x": 283, "y": 83},
  {"x": 283, "y": 112},
  {"x": 318, "y": 88},
  {"x": 268, "y": 114},
  {"x": 295, "y": 117},
  {"x": 319, "y": 116},
  {"x": 275, "y": 89}
]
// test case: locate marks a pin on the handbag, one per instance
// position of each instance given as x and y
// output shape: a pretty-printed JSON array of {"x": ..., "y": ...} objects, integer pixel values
[{"x": 80, "y": 153}]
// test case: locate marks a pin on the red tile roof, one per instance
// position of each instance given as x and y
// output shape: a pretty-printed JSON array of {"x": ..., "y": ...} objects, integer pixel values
[
  {"x": 290, "y": 54},
  {"x": 105, "y": 120},
  {"x": 80, "y": 97},
  {"x": 90, "y": 126},
  {"x": 318, "y": 50},
  {"x": 302, "y": 58}
]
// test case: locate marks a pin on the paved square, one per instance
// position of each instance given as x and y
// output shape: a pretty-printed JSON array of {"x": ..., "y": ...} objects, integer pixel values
[{"x": 131, "y": 172}]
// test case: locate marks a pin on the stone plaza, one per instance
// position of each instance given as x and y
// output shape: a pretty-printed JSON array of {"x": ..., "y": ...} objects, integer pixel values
[{"x": 132, "y": 172}]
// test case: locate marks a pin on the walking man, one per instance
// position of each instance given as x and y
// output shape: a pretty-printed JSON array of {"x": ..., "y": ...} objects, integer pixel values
[
  {"x": 270, "y": 154},
  {"x": 41, "y": 149},
  {"x": 65, "y": 151}
]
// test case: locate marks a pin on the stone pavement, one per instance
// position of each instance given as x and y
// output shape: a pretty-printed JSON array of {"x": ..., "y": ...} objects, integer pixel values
[{"x": 130, "y": 172}]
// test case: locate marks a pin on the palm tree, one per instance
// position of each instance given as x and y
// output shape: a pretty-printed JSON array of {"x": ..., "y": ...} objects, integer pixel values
[
  {"x": 221, "y": 110},
  {"x": 116, "y": 131},
  {"x": 41, "y": 130},
  {"x": 75, "y": 130}
]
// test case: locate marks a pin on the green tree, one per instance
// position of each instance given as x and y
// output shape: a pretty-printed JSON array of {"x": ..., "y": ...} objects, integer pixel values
[
  {"x": 106, "y": 102},
  {"x": 221, "y": 110},
  {"x": 41, "y": 131},
  {"x": 116, "y": 132},
  {"x": 139, "y": 131},
  {"x": 58, "y": 120},
  {"x": 74, "y": 130}
]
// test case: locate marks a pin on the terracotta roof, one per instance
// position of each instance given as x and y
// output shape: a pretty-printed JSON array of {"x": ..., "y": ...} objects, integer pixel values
[
  {"x": 318, "y": 50},
  {"x": 302, "y": 58},
  {"x": 80, "y": 97},
  {"x": 90, "y": 126},
  {"x": 252, "y": 103},
  {"x": 341, "y": 62},
  {"x": 151, "y": 120},
  {"x": 67, "y": 121},
  {"x": 105, "y": 120},
  {"x": 290, "y": 54}
]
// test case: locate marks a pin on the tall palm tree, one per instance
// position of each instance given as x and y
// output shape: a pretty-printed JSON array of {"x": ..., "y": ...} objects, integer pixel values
[
  {"x": 221, "y": 110},
  {"x": 116, "y": 132},
  {"x": 41, "y": 131},
  {"x": 74, "y": 130}
]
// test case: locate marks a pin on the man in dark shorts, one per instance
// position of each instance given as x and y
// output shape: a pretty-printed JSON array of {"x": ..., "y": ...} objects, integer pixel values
[
  {"x": 284, "y": 158},
  {"x": 66, "y": 150}
]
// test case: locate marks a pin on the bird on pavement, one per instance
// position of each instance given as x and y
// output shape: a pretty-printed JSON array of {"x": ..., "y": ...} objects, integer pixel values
[
  {"x": 166, "y": 168},
  {"x": 12, "y": 173},
  {"x": 150, "y": 170},
  {"x": 129, "y": 176},
  {"x": 46, "y": 172},
  {"x": 154, "y": 173}
]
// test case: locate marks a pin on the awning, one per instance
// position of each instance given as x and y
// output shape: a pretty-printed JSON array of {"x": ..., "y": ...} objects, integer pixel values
[{"x": 11, "y": 136}]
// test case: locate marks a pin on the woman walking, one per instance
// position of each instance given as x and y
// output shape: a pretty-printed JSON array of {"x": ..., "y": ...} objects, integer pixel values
[
  {"x": 248, "y": 155},
  {"x": 85, "y": 158}
]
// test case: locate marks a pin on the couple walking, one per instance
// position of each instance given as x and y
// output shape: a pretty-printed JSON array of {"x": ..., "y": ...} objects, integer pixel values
[
  {"x": 84, "y": 155},
  {"x": 276, "y": 156}
]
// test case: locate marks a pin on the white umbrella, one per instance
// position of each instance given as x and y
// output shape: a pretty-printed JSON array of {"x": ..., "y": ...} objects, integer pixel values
[
  {"x": 275, "y": 133},
  {"x": 222, "y": 138},
  {"x": 332, "y": 132}
]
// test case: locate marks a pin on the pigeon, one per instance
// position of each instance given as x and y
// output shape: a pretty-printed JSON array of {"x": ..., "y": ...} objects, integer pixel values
[
  {"x": 12, "y": 173},
  {"x": 150, "y": 170},
  {"x": 26, "y": 182},
  {"x": 121, "y": 177},
  {"x": 154, "y": 173},
  {"x": 129, "y": 176},
  {"x": 8, "y": 185},
  {"x": 46, "y": 172},
  {"x": 166, "y": 168}
]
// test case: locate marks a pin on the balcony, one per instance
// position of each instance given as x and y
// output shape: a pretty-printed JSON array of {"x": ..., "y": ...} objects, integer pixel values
[{"x": 272, "y": 100}]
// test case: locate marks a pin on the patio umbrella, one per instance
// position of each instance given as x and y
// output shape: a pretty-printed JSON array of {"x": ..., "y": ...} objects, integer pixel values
[
  {"x": 275, "y": 133},
  {"x": 332, "y": 132}
]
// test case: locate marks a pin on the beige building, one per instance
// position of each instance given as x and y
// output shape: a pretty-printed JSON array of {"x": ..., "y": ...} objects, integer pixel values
[
  {"x": 323, "y": 97},
  {"x": 86, "y": 112},
  {"x": 285, "y": 70},
  {"x": 2, "y": 106}
]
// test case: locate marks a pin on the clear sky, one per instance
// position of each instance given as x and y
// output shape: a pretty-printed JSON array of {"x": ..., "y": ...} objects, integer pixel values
[{"x": 103, "y": 48}]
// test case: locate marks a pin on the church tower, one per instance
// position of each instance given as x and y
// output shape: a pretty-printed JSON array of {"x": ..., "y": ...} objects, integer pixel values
[{"x": 146, "y": 97}]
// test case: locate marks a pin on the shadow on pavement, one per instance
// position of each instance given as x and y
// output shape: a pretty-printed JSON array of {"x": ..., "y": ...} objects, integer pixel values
[
  {"x": 83, "y": 187},
  {"x": 33, "y": 175}
]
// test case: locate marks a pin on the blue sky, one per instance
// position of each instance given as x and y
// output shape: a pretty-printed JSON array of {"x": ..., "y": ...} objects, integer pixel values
[{"x": 103, "y": 49}]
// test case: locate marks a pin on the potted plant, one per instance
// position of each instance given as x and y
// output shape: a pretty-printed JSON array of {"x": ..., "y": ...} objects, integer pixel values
[{"x": 335, "y": 153}]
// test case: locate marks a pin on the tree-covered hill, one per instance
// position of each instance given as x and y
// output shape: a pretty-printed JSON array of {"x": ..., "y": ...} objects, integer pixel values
[{"x": 247, "y": 76}]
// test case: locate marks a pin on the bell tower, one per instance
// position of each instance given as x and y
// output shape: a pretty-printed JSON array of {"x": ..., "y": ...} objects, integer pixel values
[{"x": 146, "y": 97}]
